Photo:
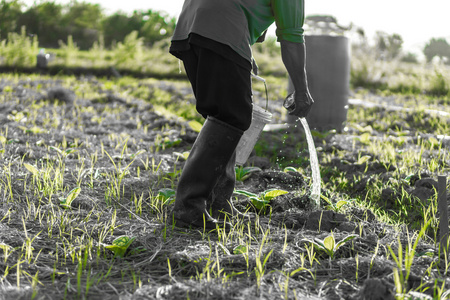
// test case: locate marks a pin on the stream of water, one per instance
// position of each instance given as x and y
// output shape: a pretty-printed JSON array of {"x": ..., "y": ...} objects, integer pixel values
[{"x": 315, "y": 190}]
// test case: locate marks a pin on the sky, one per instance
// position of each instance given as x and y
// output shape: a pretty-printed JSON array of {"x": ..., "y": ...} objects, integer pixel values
[{"x": 416, "y": 21}]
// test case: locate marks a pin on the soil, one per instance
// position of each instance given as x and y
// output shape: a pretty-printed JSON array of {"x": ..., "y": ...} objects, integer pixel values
[{"x": 104, "y": 133}]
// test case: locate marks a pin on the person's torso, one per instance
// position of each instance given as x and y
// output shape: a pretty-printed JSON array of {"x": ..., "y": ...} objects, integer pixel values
[{"x": 236, "y": 23}]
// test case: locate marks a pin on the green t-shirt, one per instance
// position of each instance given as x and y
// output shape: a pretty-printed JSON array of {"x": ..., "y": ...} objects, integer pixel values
[{"x": 239, "y": 23}]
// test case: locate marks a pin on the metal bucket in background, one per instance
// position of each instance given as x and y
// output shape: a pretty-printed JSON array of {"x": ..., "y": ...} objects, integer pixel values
[{"x": 328, "y": 72}]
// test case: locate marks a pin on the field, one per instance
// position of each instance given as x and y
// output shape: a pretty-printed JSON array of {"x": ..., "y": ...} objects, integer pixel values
[{"x": 88, "y": 166}]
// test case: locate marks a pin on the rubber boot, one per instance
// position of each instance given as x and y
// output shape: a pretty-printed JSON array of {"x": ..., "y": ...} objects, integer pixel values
[
  {"x": 219, "y": 202},
  {"x": 209, "y": 157}
]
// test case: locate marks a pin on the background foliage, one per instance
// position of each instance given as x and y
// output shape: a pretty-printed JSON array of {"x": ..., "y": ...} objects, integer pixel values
[{"x": 85, "y": 22}]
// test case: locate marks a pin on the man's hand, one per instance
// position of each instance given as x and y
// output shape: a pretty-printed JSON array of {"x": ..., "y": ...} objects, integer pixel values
[{"x": 299, "y": 104}]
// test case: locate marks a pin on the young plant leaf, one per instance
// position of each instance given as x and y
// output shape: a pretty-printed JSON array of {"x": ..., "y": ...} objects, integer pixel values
[
  {"x": 120, "y": 245},
  {"x": 270, "y": 194},
  {"x": 5, "y": 247},
  {"x": 329, "y": 244},
  {"x": 344, "y": 240},
  {"x": 245, "y": 193},
  {"x": 241, "y": 249},
  {"x": 244, "y": 173},
  {"x": 183, "y": 155},
  {"x": 196, "y": 126},
  {"x": 340, "y": 204},
  {"x": 32, "y": 169},
  {"x": 363, "y": 159},
  {"x": 290, "y": 169},
  {"x": 166, "y": 195},
  {"x": 67, "y": 202},
  {"x": 56, "y": 149},
  {"x": 259, "y": 203},
  {"x": 138, "y": 153}
]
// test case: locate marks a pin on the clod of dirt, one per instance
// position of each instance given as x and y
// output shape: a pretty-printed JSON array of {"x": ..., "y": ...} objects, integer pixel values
[
  {"x": 376, "y": 289},
  {"x": 325, "y": 220},
  {"x": 422, "y": 193},
  {"x": 428, "y": 183},
  {"x": 61, "y": 94},
  {"x": 281, "y": 178}
]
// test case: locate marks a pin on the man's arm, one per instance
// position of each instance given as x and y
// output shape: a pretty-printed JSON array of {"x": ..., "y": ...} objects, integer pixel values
[{"x": 294, "y": 57}]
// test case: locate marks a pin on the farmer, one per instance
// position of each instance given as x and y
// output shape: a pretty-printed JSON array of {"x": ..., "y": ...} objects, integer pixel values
[{"x": 213, "y": 38}]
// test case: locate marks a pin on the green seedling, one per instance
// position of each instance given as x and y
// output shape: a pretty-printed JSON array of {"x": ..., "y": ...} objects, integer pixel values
[
  {"x": 363, "y": 159},
  {"x": 120, "y": 245},
  {"x": 364, "y": 138},
  {"x": 335, "y": 206},
  {"x": 65, "y": 152},
  {"x": 322, "y": 135},
  {"x": 32, "y": 169},
  {"x": 243, "y": 173},
  {"x": 241, "y": 249},
  {"x": 67, "y": 202},
  {"x": 183, "y": 155},
  {"x": 167, "y": 196},
  {"x": 34, "y": 129},
  {"x": 290, "y": 169},
  {"x": 262, "y": 200},
  {"x": 195, "y": 125},
  {"x": 2, "y": 139},
  {"x": 329, "y": 244},
  {"x": 167, "y": 143}
]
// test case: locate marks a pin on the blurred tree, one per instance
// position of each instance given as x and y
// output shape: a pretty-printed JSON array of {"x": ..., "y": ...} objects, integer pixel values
[
  {"x": 152, "y": 26},
  {"x": 156, "y": 26},
  {"x": 83, "y": 22},
  {"x": 45, "y": 21},
  {"x": 117, "y": 26},
  {"x": 389, "y": 46},
  {"x": 437, "y": 47},
  {"x": 409, "y": 58},
  {"x": 9, "y": 13}
]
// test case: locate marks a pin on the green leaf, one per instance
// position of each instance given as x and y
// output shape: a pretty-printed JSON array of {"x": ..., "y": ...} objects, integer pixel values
[
  {"x": 340, "y": 204},
  {"x": 67, "y": 202},
  {"x": 258, "y": 203},
  {"x": 433, "y": 141},
  {"x": 123, "y": 241},
  {"x": 244, "y": 173},
  {"x": 364, "y": 138},
  {"x": 120, "y": 245},
  {"x": 56, "y": 149},
  {"x": 2, "y": 139},
  {"x": 241, "y": 249},
  {"x": 329, "y": 243},
  {"x": 184, "y": 155},
  {"x": 166, "y": 194},
  {"x": 138, "y": 153},
  {"x": 318, "y": 244},
  {"x": 346, "y": 239},
  {"x": 363, "y": 159},
  {"x": 270, "y": 194},
  {"x": 245, "y": 193},
  {"x": 32, "y": 169},
  {"x": 290, "y": 169},
  {"x": 5, "y": 247},
  {"x": 69, "y": 151},
  {"x": 195, "y": 125}
]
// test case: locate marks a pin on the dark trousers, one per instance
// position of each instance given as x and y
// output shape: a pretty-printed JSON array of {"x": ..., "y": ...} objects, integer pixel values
[{"x": 221, "y": 87}]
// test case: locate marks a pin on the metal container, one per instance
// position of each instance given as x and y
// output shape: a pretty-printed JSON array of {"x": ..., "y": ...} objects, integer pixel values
[{"x": 328, "y": 72}]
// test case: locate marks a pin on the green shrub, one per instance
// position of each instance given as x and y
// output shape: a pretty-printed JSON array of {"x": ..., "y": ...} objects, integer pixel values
[
  {"x": 439, "y": 85},
  {"x": 19, "y": 50}
]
